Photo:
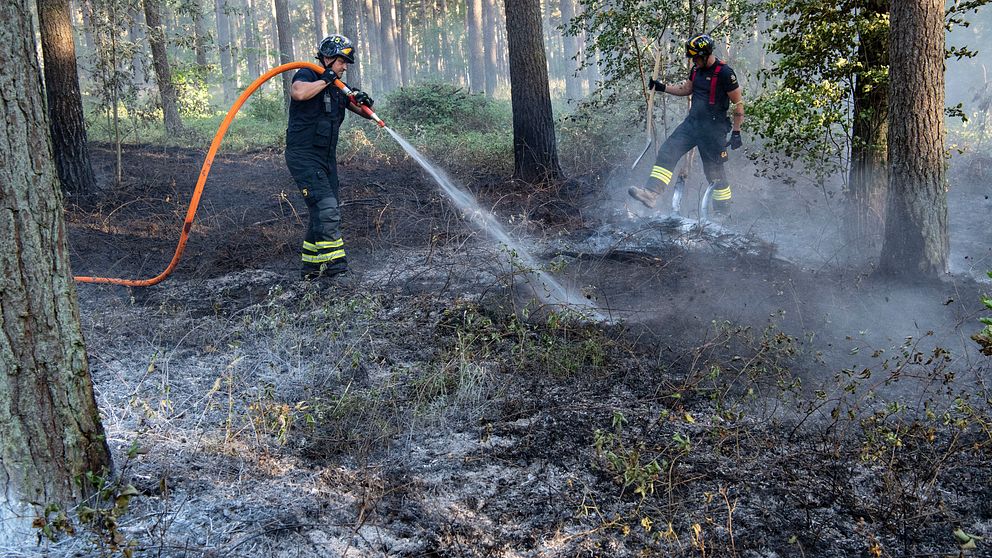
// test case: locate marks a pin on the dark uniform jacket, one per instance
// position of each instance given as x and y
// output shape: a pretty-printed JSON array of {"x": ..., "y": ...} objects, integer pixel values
[{"x": 314, "y": 124}]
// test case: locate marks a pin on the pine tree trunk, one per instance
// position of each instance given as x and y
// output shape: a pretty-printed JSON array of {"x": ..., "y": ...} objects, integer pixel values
[
  {"x": 350, "y": 27},
  {"x": 402, "y": 42},
  {"x": 224, "y": 47},
  {"x": 51, "y": 433},
  {"x": 163, "y": 72},
  {"x": 318, "y": 21},
  {"x": 476, "y": 61},
  {"x": 916, "y": 243},
  {"x": 252, "y": 46},
  {"x": 489, "y": 41},
  {"x": 199, "y": 34},
  {"x": 535, "y": 150},
  {"x": 573, "y": 84},
  {"x": 392, "y": 36},
  {"x": 284, "y": 30},
  {"x": 139, "y": 57},
  {"x": 65, "y": 105},
  {"x": 868, "y": 178}
]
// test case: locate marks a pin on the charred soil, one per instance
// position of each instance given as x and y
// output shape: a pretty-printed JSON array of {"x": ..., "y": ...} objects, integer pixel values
[{"x": 733, "y": 404}]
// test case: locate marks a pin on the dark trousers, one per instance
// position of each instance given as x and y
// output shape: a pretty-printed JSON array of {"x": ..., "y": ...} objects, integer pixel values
[
  {"x": 316, "y": 176},
  {"x": 709, "y": 135}
]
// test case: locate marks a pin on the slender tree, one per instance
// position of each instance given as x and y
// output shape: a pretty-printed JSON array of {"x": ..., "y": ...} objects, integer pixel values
[
  {"x": 200, "y": 39},
  {"x": 350, "y": 25},
  {"x": 915, "y": 243},
  {"x": 163, "y": 72},
  {"x": 570, "y": 42},
  {"x": 224, "y": 48},
  {"x": 535, "y": 149},
  {"x": 252, "y": 46},
  {"x": 65, "y": 105},
  {"x": 489, "y": 42},
  {"x": 51, "y": 434},
  {"x": 476, "y": 62},
  {"x": 319, "y": 28},
  {"x": 285, "y": 32}
]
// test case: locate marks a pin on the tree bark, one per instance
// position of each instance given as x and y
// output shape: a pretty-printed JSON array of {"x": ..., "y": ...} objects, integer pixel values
[
  {"x": 284, "y": 31},
  {"x": 199, "y": 34},
  {"x": 224, "y": 48},
  {"x": 252, "y": 46},
  {"x": 915, "y": 245},
  {"x": 535, "y": 150},
  {"x": 476, "y": 62},
  {"x": 868, "y": 177},
  {"x": 489, "y": 41},
  {"x": 350, "y": 27},
  {"x": 573, "y": 84},
  {"x": 402, "y": 42},
  {"x": 65, "y": 104},
  {"x": 51, "y": 432},
  {"x": 163, "y": 72},
  {"x": 318, "y": 21}
]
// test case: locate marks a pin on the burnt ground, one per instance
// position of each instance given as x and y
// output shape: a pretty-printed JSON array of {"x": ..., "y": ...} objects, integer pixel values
[{"x": 763, "y": 402}]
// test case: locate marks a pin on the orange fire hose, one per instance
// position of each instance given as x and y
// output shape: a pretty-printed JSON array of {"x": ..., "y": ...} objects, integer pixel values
[{"x": 194, "y": 202}]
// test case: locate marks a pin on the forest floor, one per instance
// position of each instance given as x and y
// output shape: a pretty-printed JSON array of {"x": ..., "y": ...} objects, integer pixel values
[{"x": 778, "y": 401}]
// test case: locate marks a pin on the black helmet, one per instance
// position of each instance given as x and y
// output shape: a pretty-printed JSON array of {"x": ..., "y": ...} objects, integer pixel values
[
  {"x": 337, "y": 45},
  {"x": 700, "y": 45}
]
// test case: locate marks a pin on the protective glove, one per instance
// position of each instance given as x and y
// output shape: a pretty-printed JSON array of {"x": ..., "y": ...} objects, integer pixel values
[
  {"x": 328, "y": 76},
  {"x": 735, "y": 140},
  {"x": 363, "y": 98},
  {"x": 656, "y": 85}
]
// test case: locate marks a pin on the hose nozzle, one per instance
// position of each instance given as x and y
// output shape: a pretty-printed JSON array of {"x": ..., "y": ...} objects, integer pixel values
[{"x": 364, "y": 108}]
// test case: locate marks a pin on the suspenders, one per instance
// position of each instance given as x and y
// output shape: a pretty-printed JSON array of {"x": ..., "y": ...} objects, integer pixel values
[{"x": 713, "y": 81}]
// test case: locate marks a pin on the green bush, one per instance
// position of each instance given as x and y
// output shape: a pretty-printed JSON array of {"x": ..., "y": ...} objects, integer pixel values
[
  {"x": 436, "y": 107},
  {"x": 267, "y": 107}
]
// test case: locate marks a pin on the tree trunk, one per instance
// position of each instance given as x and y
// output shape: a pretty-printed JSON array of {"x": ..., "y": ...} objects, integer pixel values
[
  {"x": 65, "y": 104},
  {"x": 573, "y": 84},
  {"x": 199, "y": 35},
  {"x": 392, "y": 37},
  {"x": 51, "y": 434},
  {"x": 163, "y": 73},
  {"x": 350, "y": 27},
  {"x": 868, "y": 176},
  {"x": 489, "y": 41},
  {"x": 476, "y": 62},
  {"x": 224, "y": 47},
  {"x": 535, "y": 150},
  {"x": 252, "y": 45},
  {"x": 916, "y": 243},
  {"x": 284, "y": 30},
  {"x": 403, "y": 42},
  {"x": 318, "y": 21},
  {"x": 139, "y": 56}
]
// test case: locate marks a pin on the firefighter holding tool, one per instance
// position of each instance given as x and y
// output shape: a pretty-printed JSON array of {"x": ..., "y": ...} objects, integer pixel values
[
  {"x": 714, "y": 89},
  {"x": 316, "y": 112}
]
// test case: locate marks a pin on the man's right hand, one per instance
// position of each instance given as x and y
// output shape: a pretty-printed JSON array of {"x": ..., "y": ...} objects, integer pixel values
[
  {"x": 656, "y": 85},
  {"x": 328, "y": 76}
]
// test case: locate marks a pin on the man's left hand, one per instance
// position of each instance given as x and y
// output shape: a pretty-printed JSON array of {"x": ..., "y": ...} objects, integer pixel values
[
  {"x": 735, "y": 140},
  {"x": 363, "y": 98}
]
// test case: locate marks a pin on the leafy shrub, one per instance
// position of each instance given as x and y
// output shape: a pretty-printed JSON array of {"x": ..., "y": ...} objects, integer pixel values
[
  {"x": 267, "y": 107},
  {"x": 444, "y": 108}
]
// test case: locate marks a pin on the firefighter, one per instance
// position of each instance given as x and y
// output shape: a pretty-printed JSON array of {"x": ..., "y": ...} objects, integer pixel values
[
  {"x": 714, "y": 88},
  {"x": 316, "y": 112}
]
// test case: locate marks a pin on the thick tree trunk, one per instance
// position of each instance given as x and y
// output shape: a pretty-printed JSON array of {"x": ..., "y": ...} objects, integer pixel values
[
  {"x": 163, "y": 73},
  {"x": 489, "y": 41},
  {"x": 868, "y": 177},
  {"x": 224, "y": 47},
  {"x": 476, "y": 62},
  {"x": 65, "y": 105},
  {"x": 285, "y": 32},
  {"x": 573, "y": 84},
  {"x": 51, "y": 434},
  {"x": 535, "y": 150},
  {"x": 350, "y": 25},
  {"x": 916, "y": 243}
]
